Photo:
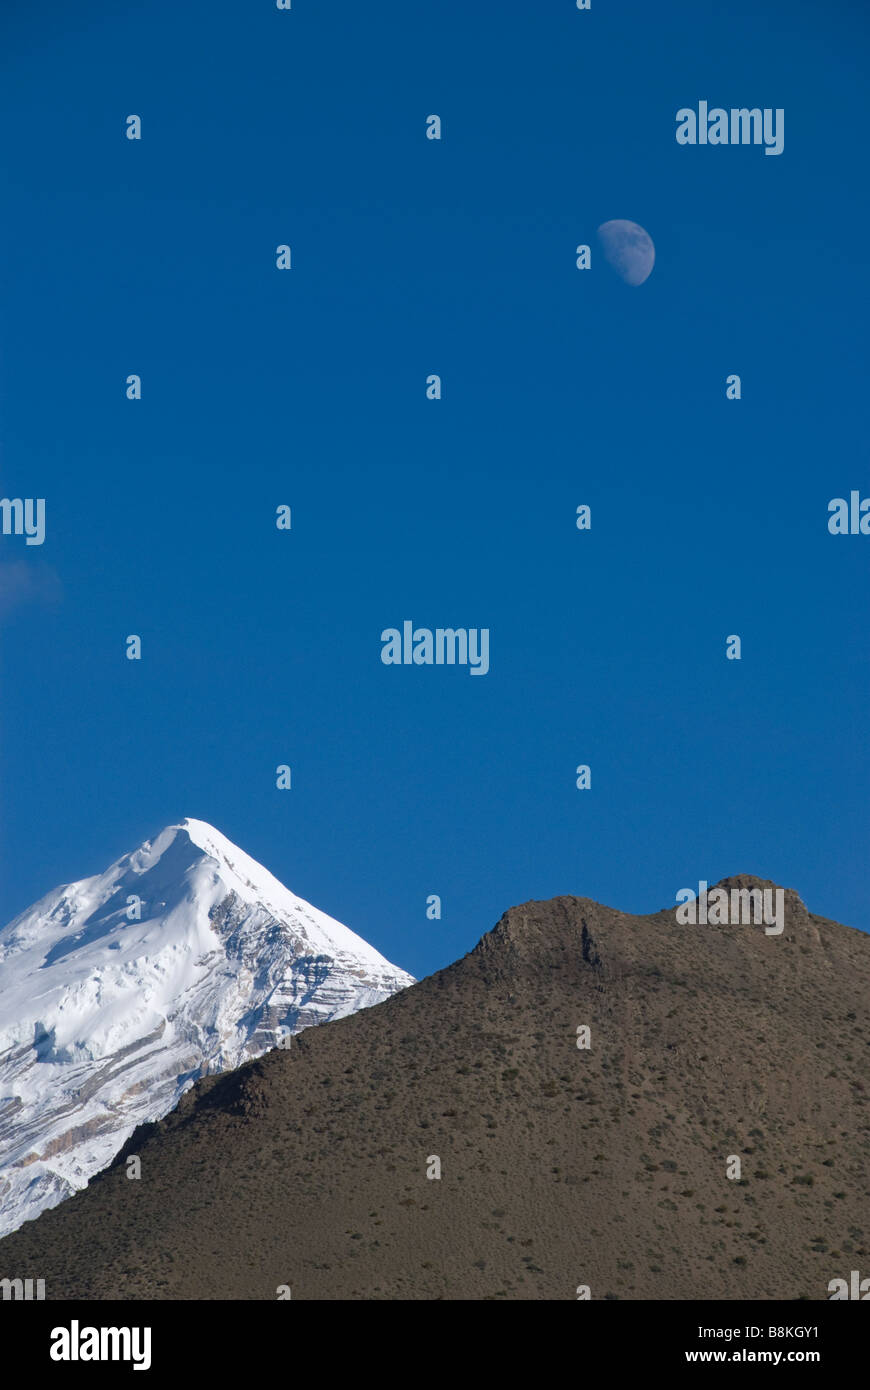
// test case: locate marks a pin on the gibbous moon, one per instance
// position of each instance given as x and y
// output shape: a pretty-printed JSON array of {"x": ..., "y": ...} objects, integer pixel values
[{"x": 628, "y": 248}]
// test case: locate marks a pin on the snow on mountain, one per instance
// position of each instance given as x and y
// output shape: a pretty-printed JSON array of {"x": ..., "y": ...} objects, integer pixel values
[{"x": 183, "y": 958}]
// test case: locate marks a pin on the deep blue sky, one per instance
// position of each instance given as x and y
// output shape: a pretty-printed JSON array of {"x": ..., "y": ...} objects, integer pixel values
[{"x": 560, "y": 387}]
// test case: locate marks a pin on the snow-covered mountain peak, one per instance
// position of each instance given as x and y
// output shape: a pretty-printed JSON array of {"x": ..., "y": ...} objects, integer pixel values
[{"x": 117, "y": 991}]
